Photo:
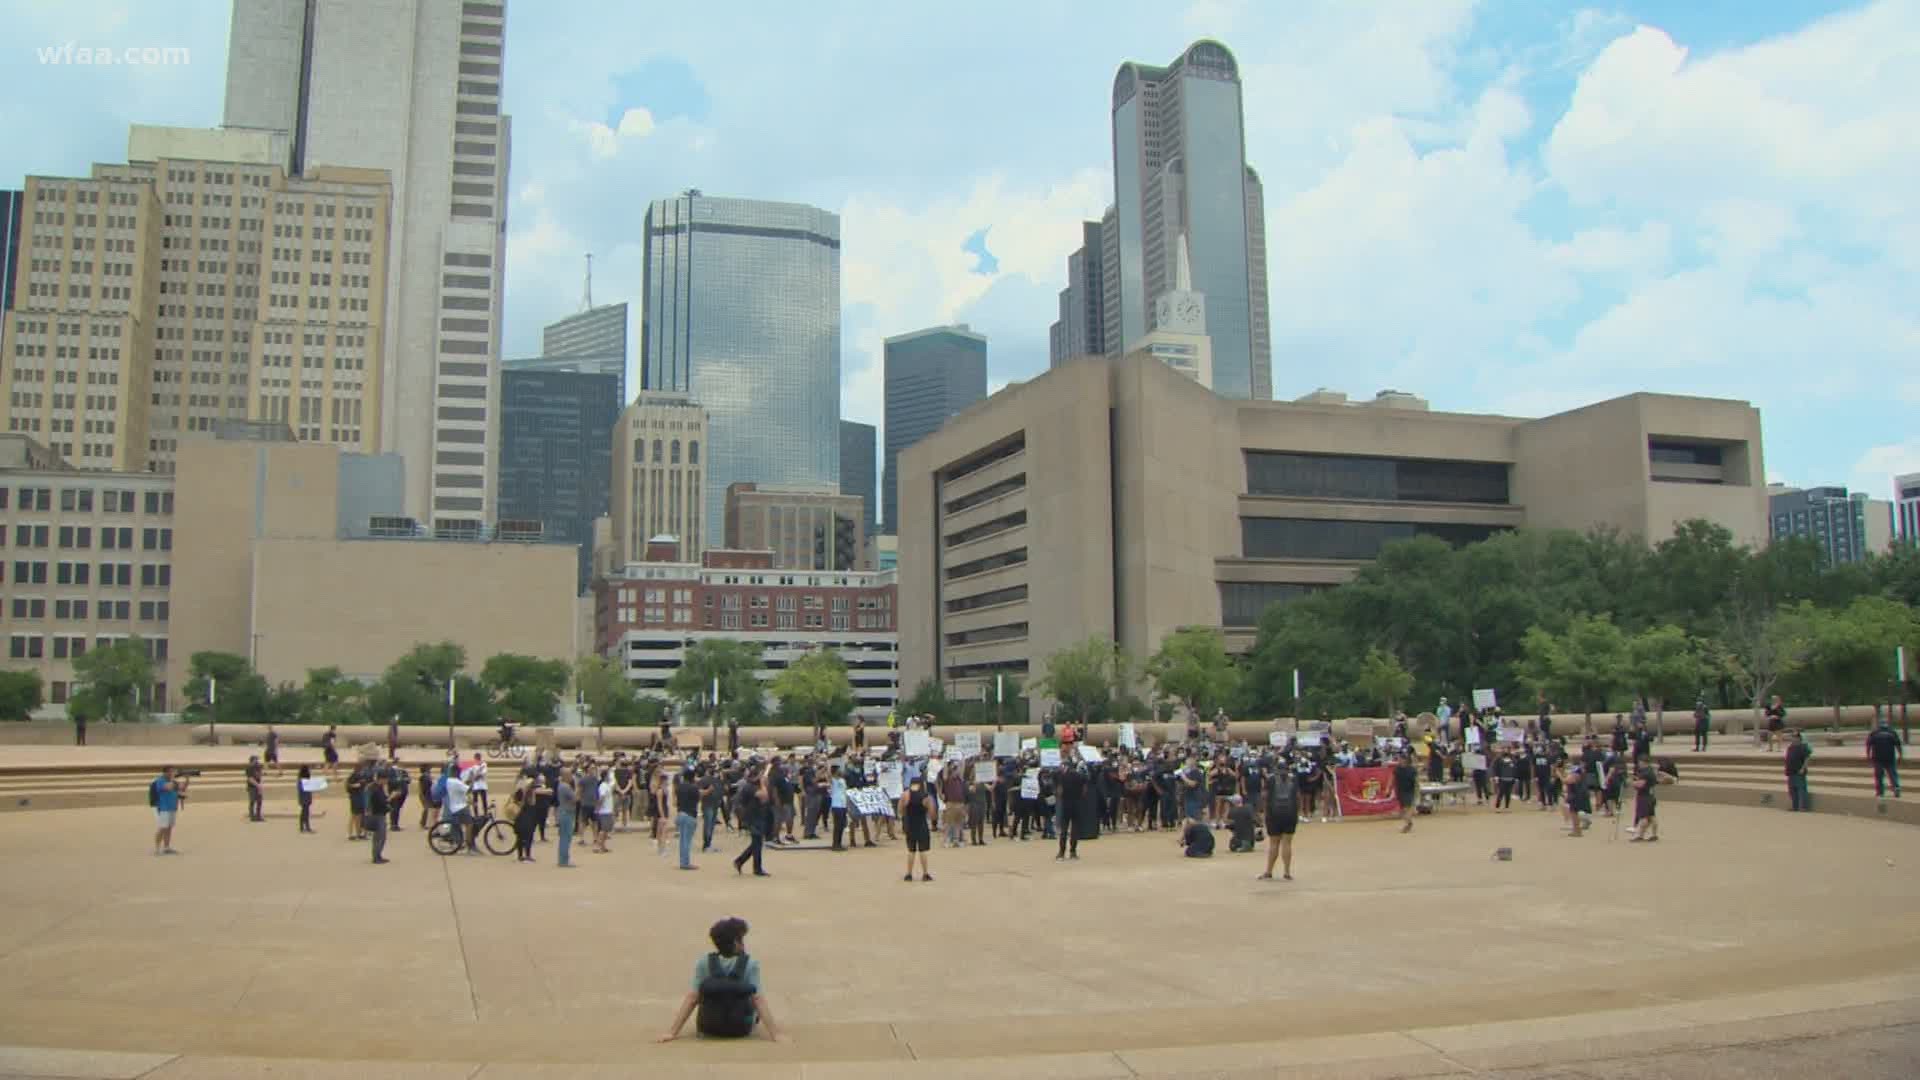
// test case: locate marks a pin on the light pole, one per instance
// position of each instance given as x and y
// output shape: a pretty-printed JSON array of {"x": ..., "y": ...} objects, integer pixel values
[
  {"x": 213, "y": 710},
  {"x": 452, "y": 747}
]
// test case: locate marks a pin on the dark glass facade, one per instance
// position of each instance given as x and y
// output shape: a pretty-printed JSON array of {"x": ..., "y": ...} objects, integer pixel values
[
  {"x": 1329, "y": 476},
  {"x": 859, "y": 450},
  {"x": 930, "y": 376},
  {"x": 556, "y": 452},
  {"x": 1304, "y": 538},
  {"x": 11, "y": 203},
  {"x": 1243, "y": 602}
]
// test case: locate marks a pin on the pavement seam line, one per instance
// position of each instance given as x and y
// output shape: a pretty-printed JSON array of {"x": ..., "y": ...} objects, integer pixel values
[
  {"x": 466, "y": 968},
  {"x": 171, "y": 1058},
  {"x": 1124, "y": 1063},
  {"x": 1442, "y": 1054}
]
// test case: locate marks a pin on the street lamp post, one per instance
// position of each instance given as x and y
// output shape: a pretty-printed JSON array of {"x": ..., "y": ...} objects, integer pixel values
[
  {"x": 213, "y": 710},
  {"x": 452, "y": 747}
]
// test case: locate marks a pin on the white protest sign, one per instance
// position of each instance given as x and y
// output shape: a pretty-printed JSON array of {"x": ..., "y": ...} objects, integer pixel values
[
  {"x": 916, "y": 744},
  {"x": 933, "y": 769},
  {"x": 1029, "y": 744},
  {"x": 935, "y": 747},
  {"x": 984, "y": 772},
  {"x": 1128, "y": 738},
  {"x": 1484, "y": 700},
  {"x": 872, "y": 768},
  {"x": 1050, "y": 757},
  {"x": 890, "y": 781},
  {"x": 1473, "y": 736},
  {"x": 1089, "y": 755},
  {"x": 1276, "y": 738},
  {"x": 1029, "y": 787},
  {"x": 1513, "y": 735},
  {"x": 313, "y": 784},
  {"x": 1006, "y": 744},
  {"x": 870, "y": 802},
  {"x": 1473, "y": 762},
  {"x": 967, "y": 743},
  {"x": 1310, "y": 738}
]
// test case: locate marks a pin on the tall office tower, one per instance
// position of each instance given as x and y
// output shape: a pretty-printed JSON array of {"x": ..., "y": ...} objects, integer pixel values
[
  {"x": 1082, "y": 327},
  {"x": 930, "y": 375},
  {"x": 1906, "y": 509},
  {"x": 858, "y": 460},
  {"x": 411, "y": 87},
  {"x": 659, "y": 476},
  {"x": 556, "y": 453},
  {"x": 1834, "y": 519},
  {"x": 753, "y": 335},
  {"x": 599, "y": 333},
  {"x": 11, "y": 203},
  {"x": 1180, "y": 169},
  {"x": 1110, "y": 281},
  {"x": 202, "y": 284}
]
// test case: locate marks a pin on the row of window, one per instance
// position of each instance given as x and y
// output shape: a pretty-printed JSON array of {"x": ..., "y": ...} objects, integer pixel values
[
  {"x": 1299, "y": 538},
  {"x": 74, "y": 646},
  {"x": 76, "y": 610},
  {"x": 112, "y": 575},
  {"x": 1334, "y": 476},
  {"x": 80, "y": 537}
]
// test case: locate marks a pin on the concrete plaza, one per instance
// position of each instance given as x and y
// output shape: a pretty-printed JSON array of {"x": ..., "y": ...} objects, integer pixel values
[{"x": 260, "y": 950}]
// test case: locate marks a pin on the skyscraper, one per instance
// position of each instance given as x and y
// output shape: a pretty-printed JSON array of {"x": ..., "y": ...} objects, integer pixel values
[
  {"x": 556, "y": 453},
  {"x": 11, "y": 203},
  {"x": 1081, "y": 330},
  {"x": 599, "y": 333},
  {"x": 741, "y": 311},
  {"x": 1180, "y": 170},
  {"x": 858, "y": 451},
  {"x": 411, "y": 87},
  {"x": 1833, "y": 518},
  {"x": 659, "y": 478},
  {"x": 1906, "y": 509},
  {"x": 930, "y": 376}
]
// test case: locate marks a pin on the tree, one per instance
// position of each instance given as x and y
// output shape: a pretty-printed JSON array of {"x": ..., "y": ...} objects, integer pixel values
[
  {"x": 930, "y": 698},
  {"x": 110, "y": 681},
  {"x": 736, "y": 664},
  {"x": 1850, "y": 652},
  {"x": 525, "y": 688},
  {"x": 1080, "y": 678},
  {"x": 1382, "y": 680},
  {"x": 413, "y": 689},
  {"x": 1192, "y": 667},
  {"x": 1582, "y": 667},
  {"x": 1664, "y": 664},
  {"x": 816, "y": 687},
  {"x": 1759, "y": 645},
  {"x": 331, "y": 698},
  {"x": 240, "y": 695},
  {"x": 19, "y": 694}
]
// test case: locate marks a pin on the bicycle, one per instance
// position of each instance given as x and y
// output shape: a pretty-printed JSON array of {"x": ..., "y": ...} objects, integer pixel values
[
  {"x": 445, "y": 837},
  {"x": 502, "y": 750}
]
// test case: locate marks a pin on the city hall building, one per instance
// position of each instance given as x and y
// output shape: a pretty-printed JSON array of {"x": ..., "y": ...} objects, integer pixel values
[{"x": 1121, "y": 498}]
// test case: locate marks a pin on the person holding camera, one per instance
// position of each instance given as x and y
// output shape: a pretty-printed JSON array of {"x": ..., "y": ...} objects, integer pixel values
[
  {"x": 164, "y": 795},
  {"x": 378, "y": 805}
]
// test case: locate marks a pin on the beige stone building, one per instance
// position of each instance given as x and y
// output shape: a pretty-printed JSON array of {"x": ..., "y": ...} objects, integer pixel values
[
  {"x": 1122, "y": 498},
  {"x": 806, "y": 528},
  {"x": 297, "y": 555},
  {"x": 87, "y": 561},
  {"x": 659, "y": 476},
  {"x": 197, "y": 283}
]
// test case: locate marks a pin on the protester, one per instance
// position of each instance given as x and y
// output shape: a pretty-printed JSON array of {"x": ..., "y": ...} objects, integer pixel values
[
  {"x": 1885, "y": 750},
  {"x": 1240, "y": 826},
  {"x": 378, "y": 805},
  {"x": 1645, "y": 825},
  {"x": 273, "y": 748},
  {"x": 1196, "y": 839},
  {"x": 1798, "y": 756},
  {"x": 429, "y": 798},
  {"x": 305, "y": 798},
  {"x": 686, "y": 803},
  {"x": 1070, "y": 788},
  {"x": 1406, "y": 782},
  {"x": 329, "y": 750},
  {"x": 519, "y": 811},
  {"x": 357, "y": 781},
  {"x": 1702, "y": 723},
  {"x": 1504, "y": 774},
  {"x": 915, "y": 807},
  {"x": 453, "y": 802},
  {"x": 256, "y": 791},
  {"x": 1776, "y": 714},
  {"x": 566, "y": 800},
  {"x": 1282, "y": 812},
  {"x": 756, "y": 816},
  {"x": 727, "y": 990},
  {"x": 164, "y": 795}
]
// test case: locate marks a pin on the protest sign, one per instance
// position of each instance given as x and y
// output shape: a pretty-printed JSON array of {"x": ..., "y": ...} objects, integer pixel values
[
  {"x": 870, "y": 802},
  {"x": 915, "y": 744},
  {"x": 985, "y": 772},
  {"x": 1029, "y": 787},
  {"x": 1049, "y": 744},
  {"x": 1089, "y": 755},
  {"x": 1513, "y": 735},
  {"x": 1029, "y": 744},
  {"x": 933, "y": 769},
  {"x": 890, "y": 781},
  {"x": 1473, "y": 736},
  {"x": 1276, "y": 738},
  {"x": 1006, "y": 744},
  {"x": 1310, "y": 738},
  {"x": 936, "y": 747},
  {"x": 1128, "y": 738},
  {"x": 1050, "y": 757},
  {"x": 967, "y": 743},
  {"x": 1239, "y": 752},
  {"x": 313, "y": 784},
  {"x": 1484, "y": 700}
]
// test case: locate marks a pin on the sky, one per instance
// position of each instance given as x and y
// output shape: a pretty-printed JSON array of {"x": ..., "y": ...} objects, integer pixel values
[{"x": 1508, "y": 206}]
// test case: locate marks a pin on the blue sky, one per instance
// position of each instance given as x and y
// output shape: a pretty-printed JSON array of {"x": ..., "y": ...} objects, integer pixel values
[{"x": 1509, "y": 206}]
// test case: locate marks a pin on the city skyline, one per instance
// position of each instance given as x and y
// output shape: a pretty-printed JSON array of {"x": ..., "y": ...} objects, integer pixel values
[{"x": 1445, "y": 213}]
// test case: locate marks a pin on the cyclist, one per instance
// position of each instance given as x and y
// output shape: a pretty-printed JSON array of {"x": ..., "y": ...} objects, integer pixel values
[{"x": 506, "y": 732}]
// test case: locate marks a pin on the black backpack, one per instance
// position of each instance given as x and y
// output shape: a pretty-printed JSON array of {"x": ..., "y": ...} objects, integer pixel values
[{"x": 726, "y": 1000}]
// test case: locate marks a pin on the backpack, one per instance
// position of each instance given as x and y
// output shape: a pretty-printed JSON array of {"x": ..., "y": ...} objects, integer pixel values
[
  {"x": 440, "y": 791},
  {"x": 153, "y": 794},
  {"x": 1283, "y": 796},
  {"x": 726, "y": 1000}
]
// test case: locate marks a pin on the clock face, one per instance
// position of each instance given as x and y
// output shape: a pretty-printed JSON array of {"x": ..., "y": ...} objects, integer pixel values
[{"x": 1188, "y": 309}]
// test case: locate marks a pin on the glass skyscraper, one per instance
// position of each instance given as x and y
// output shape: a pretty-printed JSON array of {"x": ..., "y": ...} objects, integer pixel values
[
  {"x": 741, "y": 311},
  {"x": 1180, "y": 169},
  {"x": 10, "y": 205},
  {"x": 556, "y": 453},
  {"x": 858, "y": 460},
  {"x": 930, "y": 376}
]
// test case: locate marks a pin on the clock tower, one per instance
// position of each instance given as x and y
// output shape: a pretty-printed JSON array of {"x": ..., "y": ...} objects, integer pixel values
[
  {"x": 1180, "y": 309},
  {"x": 1179, "y": 335}
]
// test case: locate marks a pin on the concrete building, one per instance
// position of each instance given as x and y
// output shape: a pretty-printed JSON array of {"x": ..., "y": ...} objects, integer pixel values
[
  {"x": 1833, "y": 518},
  {"x": 883, "y": 551},
  {"x": 659, "y": 476},
  {"x": 805, "y": 528},
  {"x": 859, "y": 468},
  {"x": 12, "y": 203},
  {"x": 412, "y": 89},
  {"x": 1121, "y": 498},
  {"x": 1081, "y": 329},
  {"x": 195, "y": 284},
  {"x": 930, "y": 376},
  {"x": 1906, "y": 509},
  {"x": 269, "y": 564},
  {"x": 1180, "y": 170},
  {"x": 742, "y": 313},
  {"x": 89, "y": 562},
  {"x": 649, "y": 615},
  {"x": 556, "y": 453},
  {"x": 593, "y": 340}
]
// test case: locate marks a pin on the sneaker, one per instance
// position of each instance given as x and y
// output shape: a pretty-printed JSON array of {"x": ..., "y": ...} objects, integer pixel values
[
  {"x": 909, "y": 876},
  {"x": 379, "y": 862},
  {"x": 923, "y": 877}
]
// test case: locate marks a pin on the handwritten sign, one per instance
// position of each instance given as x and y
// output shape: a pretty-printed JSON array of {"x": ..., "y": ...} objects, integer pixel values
[
  {"x": 890, "y": 781},
  {"x": 984, "y": 772},
  {"x": 916, "y": 744},
  {"x": 1128, "y": 738},
  {"x": 1006, "y": 744},
  {"x": 1029, "y": 787},
  {"x": 1089, "y": 755},
  {"x": 1050, "y": 758},
  {"x": 313, "y": 784},
  {"x": 870, "y": 802},
  {"x": 1276, "y": 738},
  {"x": 1029, "y": 744},
  {"x": 967, "y": 743},
  {"x": 1513, "y": 735},
  {"x": 1484, "y": 700},
  {"x": 1473, "y": 736},
  {"x": 1310, "y": 738},
  {"x": 1474, "y": 762},
  {"x": 936, "y": 747}
]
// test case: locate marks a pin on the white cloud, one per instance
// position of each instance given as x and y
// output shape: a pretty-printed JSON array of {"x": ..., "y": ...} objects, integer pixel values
[
  {"x": 1642, "y": 250},
  {"x": 1875, "y": 470},
  {"x": 604, "y": 142}
]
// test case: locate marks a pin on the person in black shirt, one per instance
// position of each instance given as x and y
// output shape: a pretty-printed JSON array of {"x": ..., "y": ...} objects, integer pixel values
[
  {"x": 916, "y": 810},
  {"x": 377, "y": 808},
  {"x": 686, "y": 806},
  {"x": 1702, "y": 723},
  {"x": 756, "y": 816},
  {"x": 1070, "y": 789},
  {"x": 1240, "y": 826},
  {"x": 256, "y": 791},
  {"x": 1406, "y": 781},
  {"x": 1196, "y": 840},
  {"x": 1282, "y": 805},
  {"x": 1504, "y": 775},
  {"x": 1798, "y": 755},
  {"x": 1884, "y": 749}
]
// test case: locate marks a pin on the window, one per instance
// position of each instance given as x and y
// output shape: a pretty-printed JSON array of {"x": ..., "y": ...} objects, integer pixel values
[
  {"x": 1330, "y": 476},
  {"x": 987, "y": 528},
  {"x": 987, "y": 494},
  {"x": 29, "y": 608},
  {"x": 156, "y": 539},
  {"x": 991, "y": 562},
  {"x": 155, "y": 577},
  {"x": 72, "y": 573},
  {"x": 1296, "y": 538},
  {"x": 1012, "y": 594},
  {"x": 1243, "y": 602},
  {"x": 152, "y": 610},
  {"x": 70, "y": 609},
  {"x": 24, "y": 647}
]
